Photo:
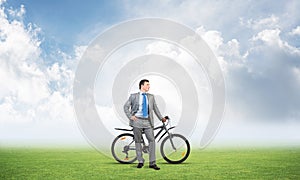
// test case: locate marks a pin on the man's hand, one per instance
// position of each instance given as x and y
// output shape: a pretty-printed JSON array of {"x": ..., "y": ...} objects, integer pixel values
[
  {"x": 164, "y": 119},
  {"x": 133, "y": 118}
]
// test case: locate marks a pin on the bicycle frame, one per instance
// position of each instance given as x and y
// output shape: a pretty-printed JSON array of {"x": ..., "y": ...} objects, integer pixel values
[{"x": 162, "y": 128}]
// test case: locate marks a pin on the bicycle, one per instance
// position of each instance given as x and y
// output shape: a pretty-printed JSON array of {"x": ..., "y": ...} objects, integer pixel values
[{"x": 174, "y": 148}]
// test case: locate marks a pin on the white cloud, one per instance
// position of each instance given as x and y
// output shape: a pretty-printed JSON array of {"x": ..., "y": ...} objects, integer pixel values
[
  {"x": 228, "y": 53},
  {"x": 32, "y": 91},
  {"x": 269, "y": 22},
  {"x": 20, "y": 77},
  {"x": 248, "y": 40},
  {"x": 163, "y": 48},
  {"x": 296, "y": 31},
  {"x": 2, "y": 1},
  {"x": 213, "y": 38},
  {"x": 252, "y": 75},
  {"x": 10, "y": 113},
  {"x": 269, "y": 36},
  {"x": 17, "y": 14},
  {"x": 272, "y": 38},
  {"x": 35, "y": 95}
]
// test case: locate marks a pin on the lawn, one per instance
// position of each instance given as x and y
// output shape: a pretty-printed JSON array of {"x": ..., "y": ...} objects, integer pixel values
[{"x": 223, "y": 163}]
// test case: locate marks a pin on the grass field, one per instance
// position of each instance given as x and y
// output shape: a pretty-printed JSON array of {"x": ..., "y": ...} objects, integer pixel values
[{"x": 259, "y": 163}]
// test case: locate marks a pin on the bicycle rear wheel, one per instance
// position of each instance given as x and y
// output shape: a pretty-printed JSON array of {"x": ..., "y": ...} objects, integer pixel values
[
  {"x": 181, "y": 151},
  {"x": 123, "y": 148}
]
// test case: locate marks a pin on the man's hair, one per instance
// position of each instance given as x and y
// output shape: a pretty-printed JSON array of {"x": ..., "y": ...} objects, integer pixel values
[{"x": 142, "y": 82}]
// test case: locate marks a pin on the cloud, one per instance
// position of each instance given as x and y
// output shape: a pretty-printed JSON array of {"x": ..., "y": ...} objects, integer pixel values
[
  {"x": 17, "y": 14},
  {"x": 213, "y": 38},
  {"x": 257, "y": 48},
  {"x": 265, "y": 87},
  {"x": 21, "y": 78},
  {"x": 33, "y": 91},
  {"x": 269, "y": 22},
  {"x": 259, "y": 77},
  {"x": 271, "y": 37},
  {"x": 2, "y": 1},
  {"x": 252, "y": 44},
  {"x": 191, "y": 12},
  {"x": 296, "y": 31}
]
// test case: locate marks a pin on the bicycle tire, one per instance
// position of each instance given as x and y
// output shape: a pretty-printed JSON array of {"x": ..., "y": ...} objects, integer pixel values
[
  {"x": 116, "y": 153},
  {"x": 167, "y": 155}
]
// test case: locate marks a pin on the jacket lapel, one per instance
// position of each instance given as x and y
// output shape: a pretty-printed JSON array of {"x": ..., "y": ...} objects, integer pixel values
[{"x": 137, "y": 98}]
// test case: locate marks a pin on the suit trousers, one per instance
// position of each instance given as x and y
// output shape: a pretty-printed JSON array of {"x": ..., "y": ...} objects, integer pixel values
[{"x": 138, "y": 144}]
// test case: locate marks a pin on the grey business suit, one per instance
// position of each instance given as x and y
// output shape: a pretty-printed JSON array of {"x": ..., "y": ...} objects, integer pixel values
[{"x": 130, "y": 108}]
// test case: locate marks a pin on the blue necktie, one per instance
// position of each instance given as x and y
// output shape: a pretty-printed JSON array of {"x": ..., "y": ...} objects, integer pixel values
[{"x": 145, "y": 107}]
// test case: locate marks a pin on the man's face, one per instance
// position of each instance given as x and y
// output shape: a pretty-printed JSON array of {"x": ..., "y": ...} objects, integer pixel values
[{"x": 145, "y": 87}]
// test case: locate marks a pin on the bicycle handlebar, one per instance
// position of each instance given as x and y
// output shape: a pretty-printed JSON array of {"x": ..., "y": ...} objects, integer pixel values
[{"x": 167, "y": 118}]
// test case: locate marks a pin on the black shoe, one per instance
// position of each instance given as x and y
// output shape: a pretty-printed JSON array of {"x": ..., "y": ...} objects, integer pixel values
[
  {"x": 154, "y": 167},
  {"x": 140, "y": 165}
]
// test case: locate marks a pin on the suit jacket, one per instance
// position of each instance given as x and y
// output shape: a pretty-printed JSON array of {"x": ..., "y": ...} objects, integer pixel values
[{"x": 132, "y": 106}]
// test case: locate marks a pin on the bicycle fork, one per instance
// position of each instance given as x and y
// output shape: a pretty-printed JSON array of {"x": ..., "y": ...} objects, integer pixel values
[{"x": 170, "y": 135}]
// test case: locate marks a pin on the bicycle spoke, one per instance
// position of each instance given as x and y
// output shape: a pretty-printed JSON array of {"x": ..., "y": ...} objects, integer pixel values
[
  {"x": 123, "y": 148},
  {"x": 175, "y": 149}
]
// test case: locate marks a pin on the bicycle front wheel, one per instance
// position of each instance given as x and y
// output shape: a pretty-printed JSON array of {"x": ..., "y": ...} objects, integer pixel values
[
  {"x": 123, "y": 148},
  {"x": 175, "y": 148}
]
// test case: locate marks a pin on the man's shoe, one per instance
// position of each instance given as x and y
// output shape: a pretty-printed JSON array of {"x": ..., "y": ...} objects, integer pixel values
[
  {"x": 154, "y": 167},
  {"x": 140, "y": 165}
]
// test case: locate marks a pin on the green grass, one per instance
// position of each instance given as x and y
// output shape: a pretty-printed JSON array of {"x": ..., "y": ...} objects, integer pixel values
[{"x": 261, "y": 163}]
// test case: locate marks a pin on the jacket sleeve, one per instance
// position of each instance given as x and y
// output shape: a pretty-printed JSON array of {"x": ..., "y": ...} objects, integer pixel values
[
  {"x": 127, "y": 106},
  {"x": 156, "y": 110}
]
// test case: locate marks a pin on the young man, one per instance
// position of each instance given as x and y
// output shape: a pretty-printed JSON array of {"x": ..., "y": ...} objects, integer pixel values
[{"x": 139, "y": 110}]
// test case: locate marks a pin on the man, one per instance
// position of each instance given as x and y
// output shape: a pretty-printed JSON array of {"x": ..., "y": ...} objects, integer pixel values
[{"x": 139, "y": 110}]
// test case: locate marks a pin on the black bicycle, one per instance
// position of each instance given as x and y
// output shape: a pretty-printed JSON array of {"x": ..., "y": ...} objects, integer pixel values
[{"x": 174, "y": 148}]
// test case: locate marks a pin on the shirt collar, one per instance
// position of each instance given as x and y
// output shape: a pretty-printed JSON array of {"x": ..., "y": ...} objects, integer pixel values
[{"x": 141, "y": 92}]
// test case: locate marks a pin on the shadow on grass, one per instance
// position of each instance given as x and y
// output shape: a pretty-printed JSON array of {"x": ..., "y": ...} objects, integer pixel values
[
  {"x": 135, "y": 164},
  {"x": 181, "y": 164}
]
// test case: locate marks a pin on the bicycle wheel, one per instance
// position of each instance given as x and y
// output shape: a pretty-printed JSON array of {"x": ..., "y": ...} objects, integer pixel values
[
  {"x": 181, "y": 151},
  {"x": 123, "y": 148}
]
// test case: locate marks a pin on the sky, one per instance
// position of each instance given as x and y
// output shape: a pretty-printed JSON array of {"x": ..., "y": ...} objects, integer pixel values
[{"x": 257, "y": 44}]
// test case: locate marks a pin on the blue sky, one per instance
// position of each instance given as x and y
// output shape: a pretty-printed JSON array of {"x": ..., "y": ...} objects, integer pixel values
[
  {"x": 256, "y": 42},
  {"x": 66, "y": 23}
]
